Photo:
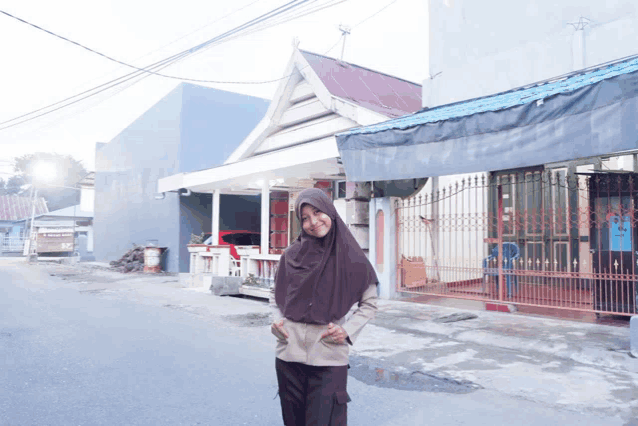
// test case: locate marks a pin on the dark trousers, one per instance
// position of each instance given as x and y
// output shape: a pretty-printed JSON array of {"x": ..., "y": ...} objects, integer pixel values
[{"x": 312, "y": 396}]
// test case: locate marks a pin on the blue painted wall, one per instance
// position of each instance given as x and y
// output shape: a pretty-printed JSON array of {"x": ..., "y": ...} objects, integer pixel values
[
  {"x": 191, "y": 128},
  {"x": 127, "y": 170},
  {"x": 17, "y": 230},
  {"x": 214, "y": 123}
]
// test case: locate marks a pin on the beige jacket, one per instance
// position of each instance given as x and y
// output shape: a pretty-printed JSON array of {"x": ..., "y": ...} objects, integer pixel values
[{"x": 304, "y": 343}]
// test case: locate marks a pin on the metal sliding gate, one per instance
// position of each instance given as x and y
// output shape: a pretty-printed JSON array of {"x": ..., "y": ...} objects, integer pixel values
[{"x": 537, "y": 237}]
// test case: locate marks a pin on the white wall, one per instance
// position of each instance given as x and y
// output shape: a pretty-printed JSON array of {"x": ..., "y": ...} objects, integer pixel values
[
  {"x": 481, "y": 48},
  {"x": 453, "y": 247},
  {"x": 87, "y": 199},
  {"x": 340, "y": 206}
]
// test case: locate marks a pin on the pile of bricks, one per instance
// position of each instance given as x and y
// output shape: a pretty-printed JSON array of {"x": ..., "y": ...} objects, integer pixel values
[{"x": 132, "y": 261}]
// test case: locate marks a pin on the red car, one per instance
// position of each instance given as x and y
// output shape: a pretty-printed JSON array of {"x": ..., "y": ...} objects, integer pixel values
[{"x": 237, "y": 238}]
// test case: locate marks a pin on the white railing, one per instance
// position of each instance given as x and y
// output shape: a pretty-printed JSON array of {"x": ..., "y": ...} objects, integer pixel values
[
  {"x": 256, "y": 270},
  {"x": 215, "y": 260},
  {"x": 12, "y": 244},
  {"x": 260, "y": 269}
]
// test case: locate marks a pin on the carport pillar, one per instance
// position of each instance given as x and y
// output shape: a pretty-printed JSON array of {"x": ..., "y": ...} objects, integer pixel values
[
  {"x": 358, "y": 196},
  {"x": 215, "y": 219},
  {"x": 265, "y": 218},
  {"x": 383, "y": 244}
]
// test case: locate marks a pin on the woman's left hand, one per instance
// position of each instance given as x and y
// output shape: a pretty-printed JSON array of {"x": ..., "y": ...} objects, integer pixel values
[{"x": 336, "y": 333}]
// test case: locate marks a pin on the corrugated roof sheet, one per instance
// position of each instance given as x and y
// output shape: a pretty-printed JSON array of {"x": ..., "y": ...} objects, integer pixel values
[
  {"x": 382, "y": 93},
  {"x": 502, "y": 100},
  {"x": 14, "y": 207},
  {"x": 72, "y": 211}
]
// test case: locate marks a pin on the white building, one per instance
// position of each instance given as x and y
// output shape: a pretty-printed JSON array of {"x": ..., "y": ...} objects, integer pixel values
[
  {"x": 481, "y": 48},
  {"x": 530, "y": 124}
]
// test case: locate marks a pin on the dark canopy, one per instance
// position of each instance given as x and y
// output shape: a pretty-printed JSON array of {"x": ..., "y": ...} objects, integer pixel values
[{"x": 584, "y": 115}]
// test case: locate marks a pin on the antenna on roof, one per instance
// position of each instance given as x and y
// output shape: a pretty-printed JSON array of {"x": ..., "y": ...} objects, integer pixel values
[
  {"x": 345, "y": 31},
  {"x": 295, "y": 42}
]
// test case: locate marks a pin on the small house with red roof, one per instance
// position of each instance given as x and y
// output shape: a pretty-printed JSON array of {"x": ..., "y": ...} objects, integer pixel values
[
  {"x": 294, "y": 147},
  {"x": 13, "y": 209}
]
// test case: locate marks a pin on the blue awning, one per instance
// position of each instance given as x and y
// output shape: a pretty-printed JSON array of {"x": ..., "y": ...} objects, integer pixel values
[{"x": 584, "y": 115}]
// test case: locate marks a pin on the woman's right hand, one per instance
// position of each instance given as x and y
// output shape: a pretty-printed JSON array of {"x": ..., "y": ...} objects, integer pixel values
[{"x": 277, "y": 328}]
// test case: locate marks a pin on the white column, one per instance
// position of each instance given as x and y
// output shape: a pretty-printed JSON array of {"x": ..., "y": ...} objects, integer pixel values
[
  {"x": 215, "y": 218},
  {"x": 390, "y": 247},
  {"x": 372, "y": 217},
  {"x": 265, "y": 217},
  {"x": 89, "y": 242},
  {"x": 387, "y": 277}
]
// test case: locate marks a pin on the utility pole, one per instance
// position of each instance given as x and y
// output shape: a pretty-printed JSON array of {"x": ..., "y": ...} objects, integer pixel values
[
  {"x": 73, "y": 252},
  {"x": 34, "y": 191},
  {"x": 345, "y": 31},
  {"x": 578, "y": 43}
]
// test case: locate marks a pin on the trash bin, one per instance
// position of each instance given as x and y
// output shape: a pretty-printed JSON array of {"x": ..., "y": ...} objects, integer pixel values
[{"x": 153, "y": 259}]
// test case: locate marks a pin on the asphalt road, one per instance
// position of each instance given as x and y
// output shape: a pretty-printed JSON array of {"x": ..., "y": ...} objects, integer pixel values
[{"x": 85, "y": 357}]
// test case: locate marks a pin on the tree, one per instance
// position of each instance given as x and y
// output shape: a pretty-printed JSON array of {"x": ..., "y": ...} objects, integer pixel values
[
  {"x": 67, "y": 172},
  {"x": 13, "y": 185}
]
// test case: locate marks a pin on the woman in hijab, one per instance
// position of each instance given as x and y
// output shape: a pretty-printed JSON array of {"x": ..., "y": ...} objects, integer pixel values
[{"x": 321, "y": 276}]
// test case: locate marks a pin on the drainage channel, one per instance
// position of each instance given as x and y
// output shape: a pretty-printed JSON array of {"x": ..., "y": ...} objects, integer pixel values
[{"x": 373, "y": 373}]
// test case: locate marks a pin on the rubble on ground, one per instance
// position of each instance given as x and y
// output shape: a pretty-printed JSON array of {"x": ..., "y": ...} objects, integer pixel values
[
  {"x": 459, "y": 316},
  {"x": 132, "y": 261}
]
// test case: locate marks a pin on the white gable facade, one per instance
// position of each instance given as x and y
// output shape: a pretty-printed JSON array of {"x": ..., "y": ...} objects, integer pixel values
[{"x": 292, "y": 148}]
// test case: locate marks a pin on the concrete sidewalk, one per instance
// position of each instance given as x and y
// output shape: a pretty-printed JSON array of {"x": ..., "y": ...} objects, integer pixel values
[
  {"x": 574, "y": 365},
  {"x": 580, "y": 366},
  {"x": 590, "y": 344}
]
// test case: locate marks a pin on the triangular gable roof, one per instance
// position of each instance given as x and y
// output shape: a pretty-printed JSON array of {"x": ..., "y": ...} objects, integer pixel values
[
  {"x": 15, "y": 207},
  {"x": 356, "y": 93}
]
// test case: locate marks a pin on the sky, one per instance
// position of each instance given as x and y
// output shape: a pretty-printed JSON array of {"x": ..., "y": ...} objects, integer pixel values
[{"x": 38, "y": 69}]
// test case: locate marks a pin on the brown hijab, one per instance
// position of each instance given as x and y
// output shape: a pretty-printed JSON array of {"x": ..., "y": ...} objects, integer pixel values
[{"x": 320, "y": 279}]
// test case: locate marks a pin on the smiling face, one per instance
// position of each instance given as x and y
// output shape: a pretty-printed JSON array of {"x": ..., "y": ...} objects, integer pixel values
[{"x": 315, "y": 222}]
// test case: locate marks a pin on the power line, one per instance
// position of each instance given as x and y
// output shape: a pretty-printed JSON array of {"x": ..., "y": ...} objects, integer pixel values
[
  {"x": 121, "y": 89},
  {"x": 279, "y": 22},
  {"x": 288, "y": 6},
  {"x": 345, "y": 31},
  {"x": 376, "y": 13},
  {"x": 148, "y": 75},
  {"x": 229, "y": 35},
  {"x": 201, "y": 28},
  {"x": 180, "y": 38},
  {"x": 159, "y": 65}
]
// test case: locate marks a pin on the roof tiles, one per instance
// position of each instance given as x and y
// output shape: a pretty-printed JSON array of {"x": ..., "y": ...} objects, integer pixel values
[{"x": 15, "y": 207}]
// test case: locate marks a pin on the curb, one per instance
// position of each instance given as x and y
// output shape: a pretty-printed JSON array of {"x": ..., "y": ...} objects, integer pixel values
[{"x": 500, "y": 307}]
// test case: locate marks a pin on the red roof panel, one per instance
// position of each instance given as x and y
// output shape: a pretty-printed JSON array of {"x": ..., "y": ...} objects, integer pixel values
[
  {"x": 15, "y": 207},
  {"x": 382, "y": 93}
]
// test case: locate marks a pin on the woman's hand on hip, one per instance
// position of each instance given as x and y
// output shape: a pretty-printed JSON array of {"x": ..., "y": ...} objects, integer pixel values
[
  {"x": 277, "y": 328},
  {"x": 336, "y": 333}
]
